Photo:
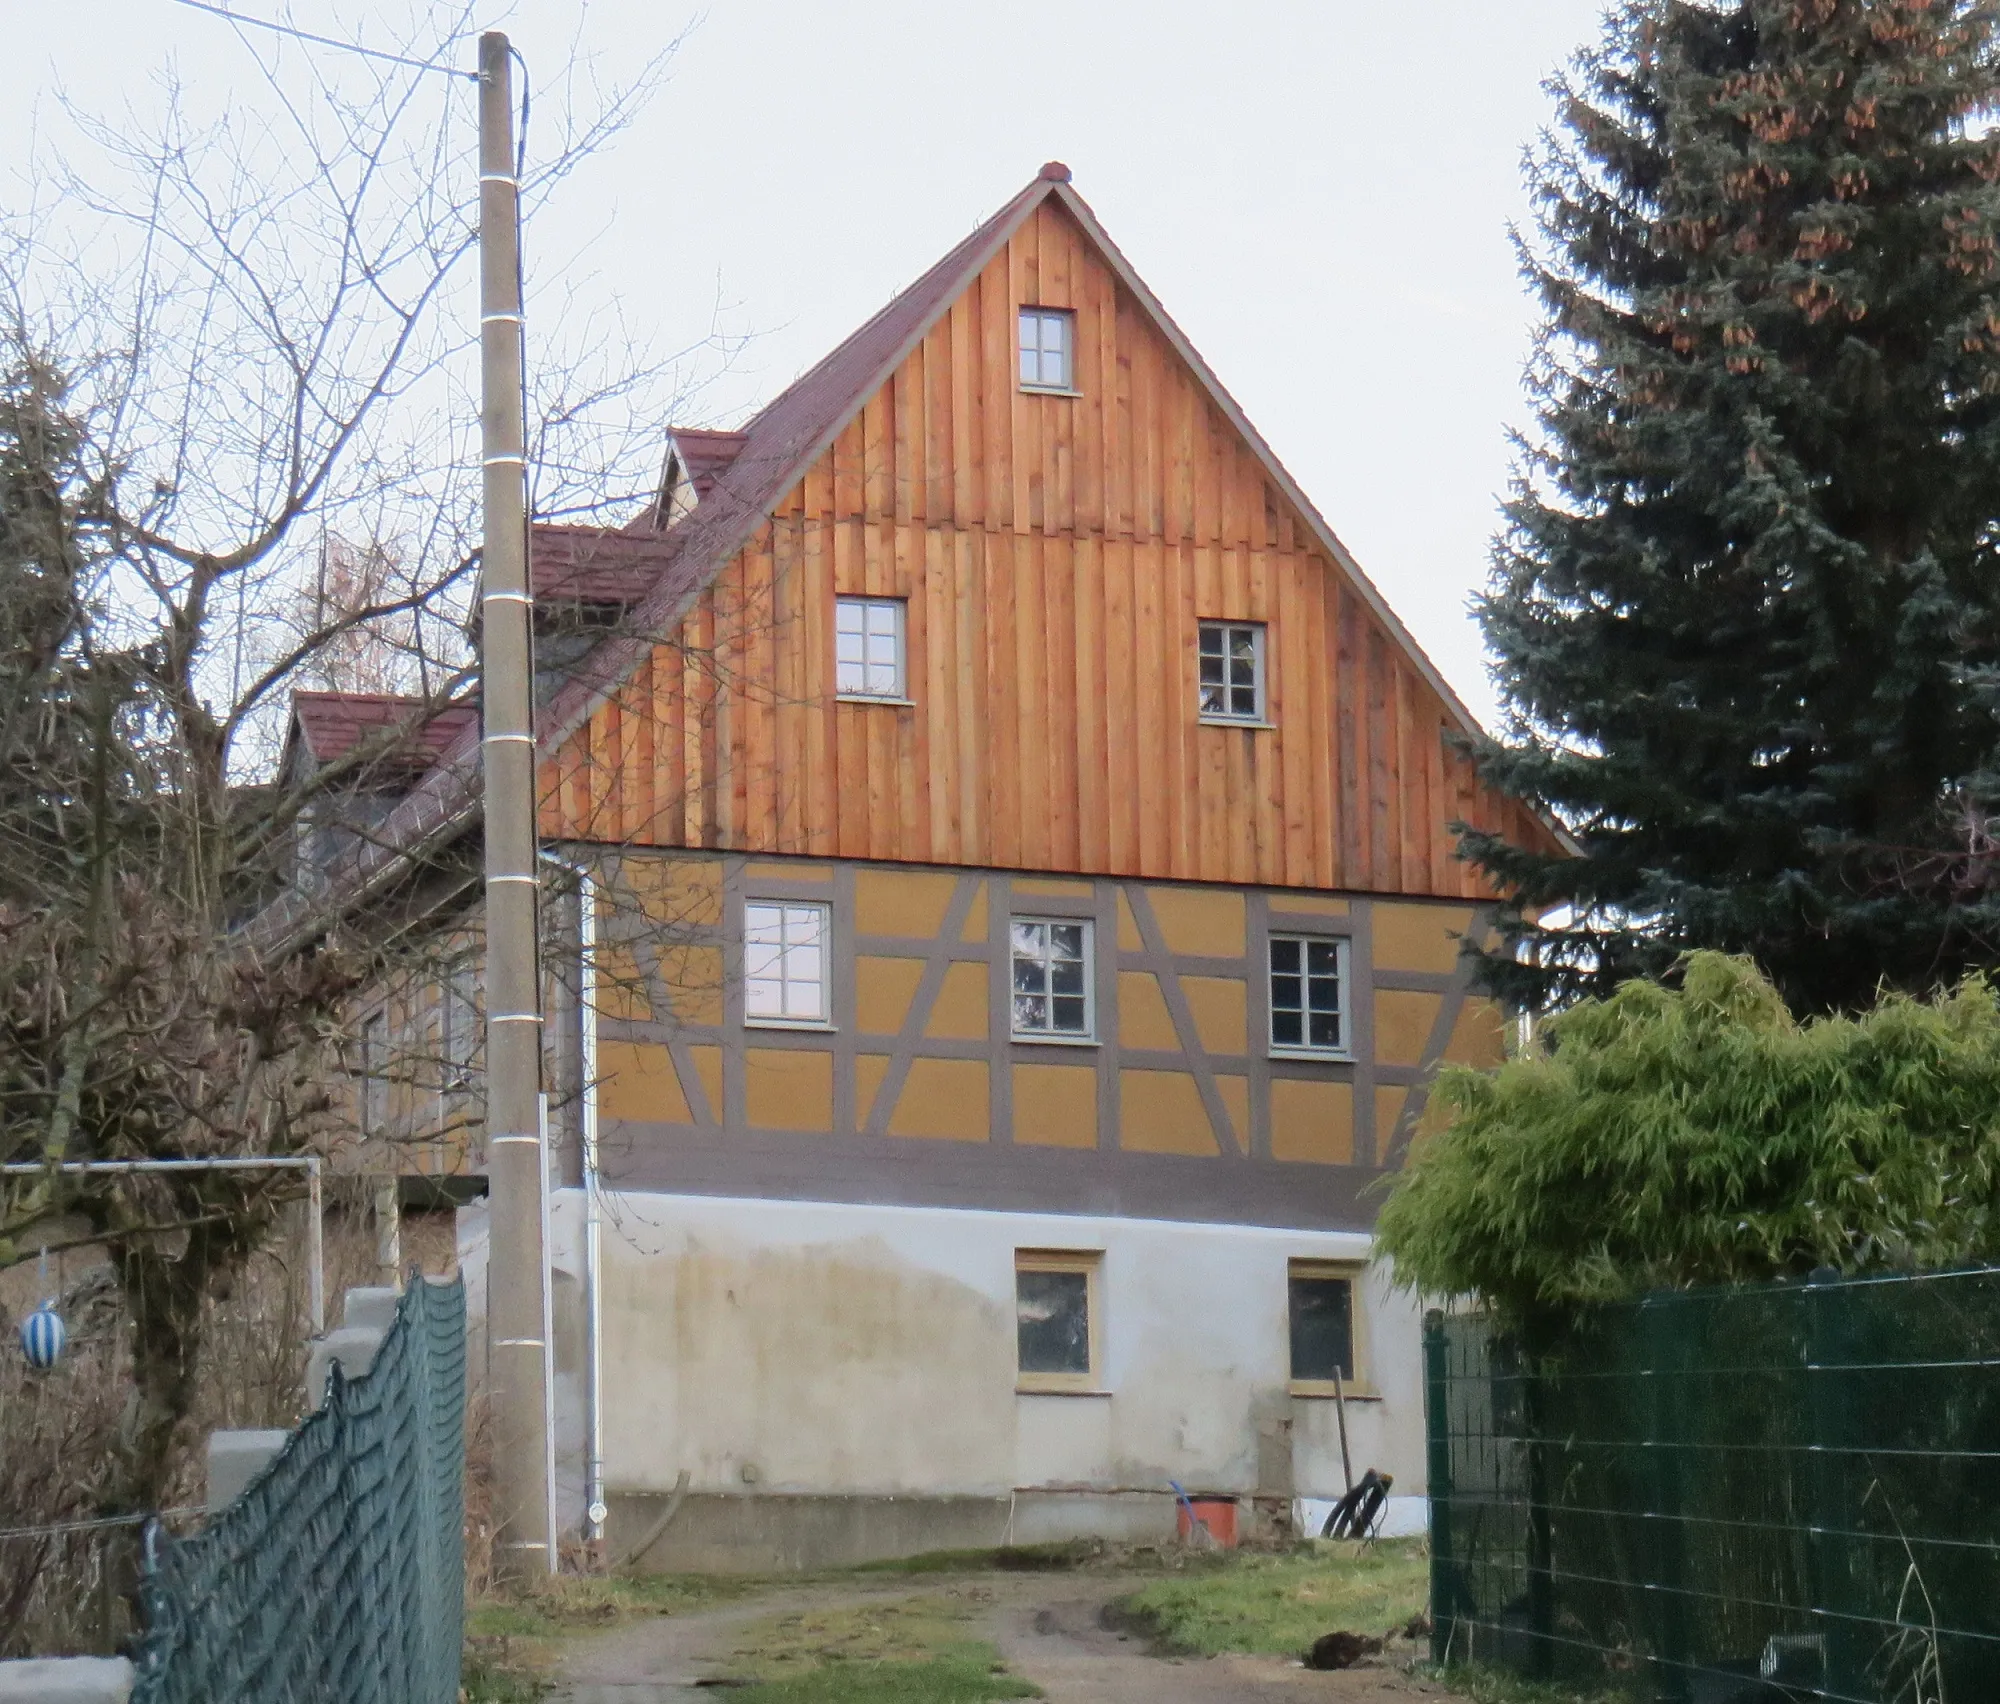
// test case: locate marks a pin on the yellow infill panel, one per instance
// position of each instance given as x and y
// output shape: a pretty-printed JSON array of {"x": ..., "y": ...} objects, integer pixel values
[
  {"x": 1055, "y": 1106},
  {"x": 787, "y": 1089},
  {"x": 1219, "y": 1005},
  {"x": 1312, "y": 1121},
  {"x": 975, "y": 916},
  {"x": 693, "y": 976},
  {"x": 1403, "y": 1025},
  {"x": 1143, "y": 1020},
  {"x": 1419, "y": 937},
  {"x": 708, "y": 1067},
  {"x": 883, "y": 988},
  {"x": 637, "y": 1084},
  {"x": 945, "y": 1098},
  {"x": 1199, "y": 921},
  {"x": 1479, "y": 1037},
  {"x": 960, "y": 1012},
  {"x": 911, "y": 903},
  {"x": 1160, "y": 1112}
]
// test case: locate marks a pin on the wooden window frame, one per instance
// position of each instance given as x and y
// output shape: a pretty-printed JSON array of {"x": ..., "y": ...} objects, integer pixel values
[
  {"x": 1067, "y": 318},
  {"x": 781, "y": 1021},
  {"x": 1090, "y": 1263},
  {"x": 1343, "y": 947},
  {"x": 1085, "y": 1037},
  {"x": 1260, "y": 717},
  {"x": 900, "y": 609},
  {"x": 1354, "y": 1273}
]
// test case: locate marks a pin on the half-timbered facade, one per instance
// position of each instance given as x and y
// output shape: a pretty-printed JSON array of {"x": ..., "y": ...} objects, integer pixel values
[{"x": 1019, "y": 923}]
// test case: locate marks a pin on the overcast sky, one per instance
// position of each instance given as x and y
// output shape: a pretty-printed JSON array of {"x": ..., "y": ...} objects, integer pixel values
[{"x": 1319, "y": 190}]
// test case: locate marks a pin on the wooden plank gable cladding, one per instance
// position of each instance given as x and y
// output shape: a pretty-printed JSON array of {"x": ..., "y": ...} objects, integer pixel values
[{"x": 1054, "y": 554}]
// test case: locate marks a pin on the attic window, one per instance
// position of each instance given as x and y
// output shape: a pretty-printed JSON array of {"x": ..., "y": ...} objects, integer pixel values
[
  {"x": 868, "y": 649},
  {"x": 1048, "y": 349},
  {"x": 1232, "y": 671}
]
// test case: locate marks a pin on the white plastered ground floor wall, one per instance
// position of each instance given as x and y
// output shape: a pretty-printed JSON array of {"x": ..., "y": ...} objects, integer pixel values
[{"x": 838, "y": 1381}]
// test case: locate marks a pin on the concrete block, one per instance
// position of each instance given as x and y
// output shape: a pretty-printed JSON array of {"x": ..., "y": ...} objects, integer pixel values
[
  {"x": 66, "y": 1680},
  {"x": 352, "y": 1346},
  {"x": 370, "y": 1308},
  {"x": 236, "y": 1458}
]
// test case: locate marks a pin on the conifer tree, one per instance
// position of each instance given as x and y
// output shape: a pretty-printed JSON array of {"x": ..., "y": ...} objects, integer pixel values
[{"x": 1746, "y": 607}]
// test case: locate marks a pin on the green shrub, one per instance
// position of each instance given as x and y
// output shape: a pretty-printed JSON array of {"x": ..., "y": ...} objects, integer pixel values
[{"x": 1700, "y": 1135}]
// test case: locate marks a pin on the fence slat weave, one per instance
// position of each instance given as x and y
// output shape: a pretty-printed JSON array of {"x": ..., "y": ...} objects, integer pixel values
[
  {"x": 1756, "y": 1495},
  {"x": 338, "y": 1576}
]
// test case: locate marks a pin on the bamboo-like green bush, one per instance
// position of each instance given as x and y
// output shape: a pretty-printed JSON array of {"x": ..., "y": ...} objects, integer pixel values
[{"x": 1697, "y": 1135}]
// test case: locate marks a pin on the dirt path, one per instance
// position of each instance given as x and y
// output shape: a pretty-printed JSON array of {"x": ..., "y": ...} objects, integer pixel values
[{"x": 1050, "y": 1629}]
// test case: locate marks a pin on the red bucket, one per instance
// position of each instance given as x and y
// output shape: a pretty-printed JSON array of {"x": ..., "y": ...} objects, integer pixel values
[{"x": 1217, "y": 1514}]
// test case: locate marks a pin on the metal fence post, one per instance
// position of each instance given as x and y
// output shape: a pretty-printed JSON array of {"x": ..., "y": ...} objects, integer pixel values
[
  {"x": 1664, "y": 1375},
  {"x": 1830, "y": 1517},
  {"x": 1437, "y": 1420}
]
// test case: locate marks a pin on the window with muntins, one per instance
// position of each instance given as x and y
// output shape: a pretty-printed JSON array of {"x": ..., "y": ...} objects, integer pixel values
[
  {"x": 1051, "y": 978},
  {"x": 1232, "y": 671},
  {"x": 1322, "y": 1322},
  {"x": 1308, "y": 994},
  {"x": 868, "y": 648},
  {"x": 375, "y": 1074},
  {"x": 1048, "y": 349},
  {"x": 784, "y": 963}
]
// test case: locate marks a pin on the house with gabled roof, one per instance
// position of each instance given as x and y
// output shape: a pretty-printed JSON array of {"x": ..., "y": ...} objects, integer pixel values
[{"x": 1013, "y": 923}]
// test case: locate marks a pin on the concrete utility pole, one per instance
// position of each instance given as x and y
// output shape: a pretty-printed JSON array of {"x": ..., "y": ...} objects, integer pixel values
[{"x": 517, "y": 1261}]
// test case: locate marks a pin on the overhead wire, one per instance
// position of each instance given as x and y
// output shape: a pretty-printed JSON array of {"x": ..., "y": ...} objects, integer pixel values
[{"x": 327, "y": 41}]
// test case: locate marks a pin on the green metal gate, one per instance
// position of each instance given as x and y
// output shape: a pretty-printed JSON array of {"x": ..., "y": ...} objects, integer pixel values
[
  {"x": 338, "y": 1577},
  {"x": 1729, "y": 1496}
]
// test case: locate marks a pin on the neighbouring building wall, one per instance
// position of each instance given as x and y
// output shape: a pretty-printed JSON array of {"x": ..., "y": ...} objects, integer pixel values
[
  {"x": 916, "y": 1088},
  {"x": 840, "y": 1381}
]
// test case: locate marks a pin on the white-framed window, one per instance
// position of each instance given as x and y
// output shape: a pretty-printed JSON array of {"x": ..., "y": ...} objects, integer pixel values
[
  {"x": 1232, "y": 670},
  {"x": 784, "y": 962},
  {"x": 1048, "y": 349},
  {"x": 868, "y": 648},
  {"x": 1326, "y": 1328},
  {"x": 459, "y": 1037},
  {"x": 1051, "y": 983},
  {"x": 1309, "y": 994},
  {"x": 375, "y": 1072},
  {"x": 1058, "y": 1320}
]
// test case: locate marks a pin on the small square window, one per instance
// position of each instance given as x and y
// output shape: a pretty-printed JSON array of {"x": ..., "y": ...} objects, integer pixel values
[
  {"x": 1322, "y": 1323},
  {"x": 1308, "y": 994},
  {"x": 784, "y": 963},
  {"x": 868, "y": 648},
  {"x": 1052, "y": 978},
  {"x": 1048, "y": 349},
  {"x": 1056, "y": 1320},
  {"x": 459, "y": 1027},
  {"x": 1232, "y": 671}
]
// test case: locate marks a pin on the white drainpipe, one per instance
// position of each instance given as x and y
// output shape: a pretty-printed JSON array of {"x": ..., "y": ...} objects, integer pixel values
[{"x": 593, "y": 1213}]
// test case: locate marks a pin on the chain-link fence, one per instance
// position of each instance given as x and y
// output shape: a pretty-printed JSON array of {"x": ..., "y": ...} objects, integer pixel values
[
  {"x": 338, "y": 1576},
  {"x": 1741, "y": 1496}
]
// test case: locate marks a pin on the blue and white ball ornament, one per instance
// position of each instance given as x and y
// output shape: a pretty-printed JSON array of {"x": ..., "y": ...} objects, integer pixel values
[{"x": 42, "y": 1337}]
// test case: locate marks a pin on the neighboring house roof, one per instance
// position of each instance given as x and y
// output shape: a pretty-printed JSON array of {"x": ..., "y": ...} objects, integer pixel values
[
  {"x": 412, "y": 733},
  {"x": 594, "y": 565},
  {"x": 747, "y": 473}
]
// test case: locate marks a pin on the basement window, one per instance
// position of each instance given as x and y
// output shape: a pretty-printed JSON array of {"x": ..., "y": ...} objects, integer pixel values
[
  {"x": 1048, "y": 349},
  {"x": 1325, "y": 1329},
  {"x": 1056, "y": 1321},
  {"x": 784, "y": 963}
]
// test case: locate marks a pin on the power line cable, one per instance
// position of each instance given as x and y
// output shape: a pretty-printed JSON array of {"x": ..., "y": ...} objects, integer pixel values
[{"x": 328, "y": 41}]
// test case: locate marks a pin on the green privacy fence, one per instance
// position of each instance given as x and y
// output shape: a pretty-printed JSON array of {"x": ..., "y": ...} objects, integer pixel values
[
  {"x": 338, "y": 1577},
  {"x": 1733, "y": 1496}
]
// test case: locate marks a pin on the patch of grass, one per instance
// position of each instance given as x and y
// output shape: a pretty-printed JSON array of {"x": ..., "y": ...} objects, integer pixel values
[
  {"x": 916, "y": 1648},
  {"x": 1278, "y": 1605},
  {"x": 579, "y": 1602},
  {"x": 493, "y": 1675},
  {"x": 972, "y": 1677},
  {"x": 1008, "y": 1558},
  {"x": 1495, "y": 1686}
]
